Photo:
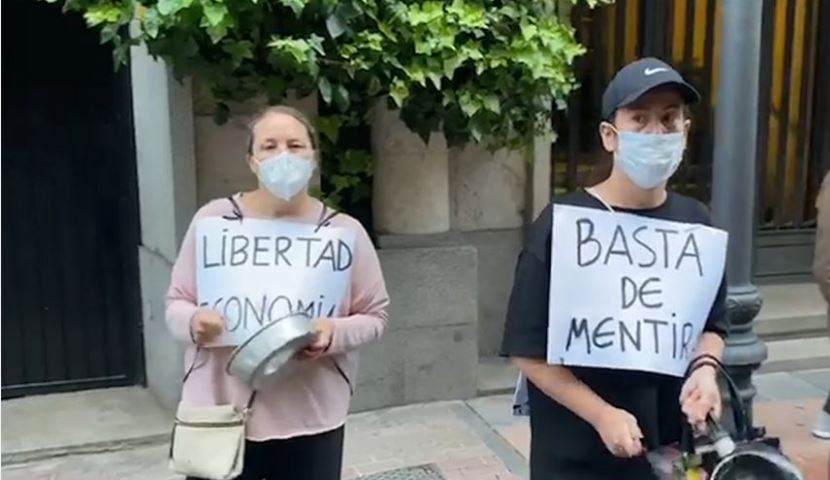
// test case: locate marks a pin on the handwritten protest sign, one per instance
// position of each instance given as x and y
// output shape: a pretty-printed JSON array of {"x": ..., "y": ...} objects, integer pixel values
[
  {"x": 255, "y": 271},
  {"x": 630, "y": 292}
]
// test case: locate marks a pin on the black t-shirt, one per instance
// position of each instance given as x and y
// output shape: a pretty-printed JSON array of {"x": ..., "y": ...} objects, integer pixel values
[{"x": 558, "y": 436}]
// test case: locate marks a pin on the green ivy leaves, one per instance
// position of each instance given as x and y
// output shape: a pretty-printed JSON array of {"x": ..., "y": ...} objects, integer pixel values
[
  {"x": 465, "y": 67},
  {"x": 472, "y": 70}
]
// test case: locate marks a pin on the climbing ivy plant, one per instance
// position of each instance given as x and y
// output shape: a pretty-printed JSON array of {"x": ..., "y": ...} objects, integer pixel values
[{"x": 477, "y": 70}]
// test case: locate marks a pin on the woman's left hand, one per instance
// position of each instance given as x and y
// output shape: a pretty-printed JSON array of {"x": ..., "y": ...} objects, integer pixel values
[
  {"x": 323, "y": 334},
  {"x": 700, "y": 396}
]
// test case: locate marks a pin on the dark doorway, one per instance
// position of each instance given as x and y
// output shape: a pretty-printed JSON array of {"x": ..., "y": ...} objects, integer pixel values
[{"x": 71, "y": 298}]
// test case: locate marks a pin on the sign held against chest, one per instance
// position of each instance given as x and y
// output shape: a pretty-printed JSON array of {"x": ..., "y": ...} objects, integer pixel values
[
  {"x": 628, "y": 291},
  {"x": 255, "y": 271}
]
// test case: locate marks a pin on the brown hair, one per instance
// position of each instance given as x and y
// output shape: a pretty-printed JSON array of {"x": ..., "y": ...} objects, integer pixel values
[{"x": 283, "y": 110}]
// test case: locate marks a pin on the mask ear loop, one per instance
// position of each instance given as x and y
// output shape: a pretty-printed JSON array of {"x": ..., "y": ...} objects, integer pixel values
[
  {"x": 591, "y": 190},
  {"x": 599, "y": 198}
]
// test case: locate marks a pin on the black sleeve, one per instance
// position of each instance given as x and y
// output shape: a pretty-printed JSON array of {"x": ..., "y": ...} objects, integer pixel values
[
  {"x": 718, "y": 321},
  {"x": 526, "y": 325}
]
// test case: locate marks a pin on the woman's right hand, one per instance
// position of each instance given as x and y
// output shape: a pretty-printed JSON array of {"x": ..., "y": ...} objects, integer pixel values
[
  {"x": 206, "y": 325},
  {"x": 620, "y": 432}
]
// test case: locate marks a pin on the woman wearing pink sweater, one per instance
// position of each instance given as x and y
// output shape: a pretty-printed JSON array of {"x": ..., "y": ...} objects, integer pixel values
[{"x": 295, "y": 430}]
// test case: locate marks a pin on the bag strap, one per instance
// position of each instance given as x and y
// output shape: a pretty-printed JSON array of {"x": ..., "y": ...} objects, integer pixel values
[
  {"x": 324, "y": 221},
  {"x": 193, "y": 367},
  {"x": 236, "y": 210},
  {"x": 325, "y": 218},
  {"x": 343, "y": 374},
  {"x": 738, "y": 412}
]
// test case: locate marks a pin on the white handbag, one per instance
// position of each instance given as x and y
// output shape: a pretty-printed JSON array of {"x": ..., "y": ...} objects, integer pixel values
[{"x": 209, "y": 442}]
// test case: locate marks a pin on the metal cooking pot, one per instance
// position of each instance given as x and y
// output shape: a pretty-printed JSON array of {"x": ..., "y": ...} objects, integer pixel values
[
  {"x": 756, "y": 462},
  {"x": 268, "y": 353},
  {"x": 747, "y": 456}
]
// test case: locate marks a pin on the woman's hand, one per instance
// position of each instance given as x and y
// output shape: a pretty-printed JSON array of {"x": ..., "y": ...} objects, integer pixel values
[
  {"x": 205, "y": 326},
  {"x": 323, "y": 334},
  {"x": 700, "y": 396},
  {"x": 619, "y": 432}
]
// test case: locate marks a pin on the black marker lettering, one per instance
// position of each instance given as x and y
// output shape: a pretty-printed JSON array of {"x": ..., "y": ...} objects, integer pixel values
[
  {"x": 588, "y": 238},
  {"x": 686, "y": 339},
  {"x": 237, "y": 317},
  {"x": 624, "y": 283},
  {"x": 646, "y": 246},
  {"x": 259, "y": 249},
  {"x": 598, "y": 334},
  {"x": 665, "y": 233},
  {"x": 344, "y": 256},
  {"x": 307, "y": 309},
  {"x": 280, "y": 313},
  {"x": 239, "y": 253},
  {"x": 575, "y": 331},
  {"x": 327, "y": 254},
  {"x": 216, "y": 304},
  {"x": 656, "y": 324},
  {"x": 205, "y": 262},
  {"x": 256, "y": 311},
  {"x": 224, "y": 244},
  {"x": 643, "y": 293},
  {"x": 673, "y": 337},
  {"x": 618, "y": 234},
  {"x": 690, "y": 242},
  {"x": 308, "y": 241},
  {"x": 282, "y": 244},
  {"x": 635, "y": 340}
]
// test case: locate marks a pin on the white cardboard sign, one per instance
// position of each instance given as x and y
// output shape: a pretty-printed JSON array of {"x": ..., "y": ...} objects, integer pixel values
[
  {"x": 254, "y": 271},
  {"x": 630, "y": 292}
]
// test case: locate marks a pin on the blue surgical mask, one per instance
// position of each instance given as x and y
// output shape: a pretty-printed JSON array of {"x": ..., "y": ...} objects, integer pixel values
[
  {"x": 649, "y": 159},
  {"x": 285, "y": 175}
]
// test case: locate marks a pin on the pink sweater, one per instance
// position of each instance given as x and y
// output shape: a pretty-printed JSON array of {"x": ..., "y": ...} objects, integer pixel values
[{"x": 314, "y": 398}]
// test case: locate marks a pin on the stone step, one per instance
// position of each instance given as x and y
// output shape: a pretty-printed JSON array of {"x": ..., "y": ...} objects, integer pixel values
[
  {"x": 793, "y": 310},
  {"x": 113, "y": 419},
  {"x": 797, "y": 354},
  {"x": 498, "y": 376},
  {"x": 495, "y": 376}
]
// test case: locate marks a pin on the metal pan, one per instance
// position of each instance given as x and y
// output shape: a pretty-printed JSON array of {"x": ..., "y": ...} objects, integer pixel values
[{"x": 268, "y": 353}]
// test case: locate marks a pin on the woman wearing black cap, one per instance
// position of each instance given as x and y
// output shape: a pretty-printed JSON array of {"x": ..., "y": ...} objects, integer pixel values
[{"x": 592, "y": 422}]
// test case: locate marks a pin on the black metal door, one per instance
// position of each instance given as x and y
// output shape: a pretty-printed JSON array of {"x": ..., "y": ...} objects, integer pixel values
[{"x": 70, "y": 287}]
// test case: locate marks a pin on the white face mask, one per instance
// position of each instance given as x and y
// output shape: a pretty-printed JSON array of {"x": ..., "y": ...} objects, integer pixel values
[
  {"x": 285, "y": 175},
  {"x": 649, "y": 159}
]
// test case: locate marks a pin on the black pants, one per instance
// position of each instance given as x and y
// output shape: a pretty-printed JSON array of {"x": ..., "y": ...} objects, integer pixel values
[
  {"x": 827, "y": 404},
  {"x": 638, "y": 469},
  {"x": 312, "y": 457}
]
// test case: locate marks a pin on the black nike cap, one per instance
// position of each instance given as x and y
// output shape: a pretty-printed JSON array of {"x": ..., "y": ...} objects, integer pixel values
[{"x": 635, "y": 79}]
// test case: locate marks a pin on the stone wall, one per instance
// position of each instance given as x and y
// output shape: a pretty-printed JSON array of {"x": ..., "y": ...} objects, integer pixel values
[
  {"x": 167, "y": 196},
  {"x": 411, "y": 191},
  {"x": 488, "y": 202},
  {"x": 429, "y": 351}
]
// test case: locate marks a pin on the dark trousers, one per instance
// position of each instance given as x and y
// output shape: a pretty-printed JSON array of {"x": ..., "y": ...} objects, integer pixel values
[
  {"x": 312, "y": 457},
  {"x": 632, "y": 470},
  {"x": 827, "y": 404}
]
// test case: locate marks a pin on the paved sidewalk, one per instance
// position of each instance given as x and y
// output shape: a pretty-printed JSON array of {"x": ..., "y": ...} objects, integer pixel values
[
  {"x": 474, "y": 440},
  {"x": 449, "y": 435}
]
